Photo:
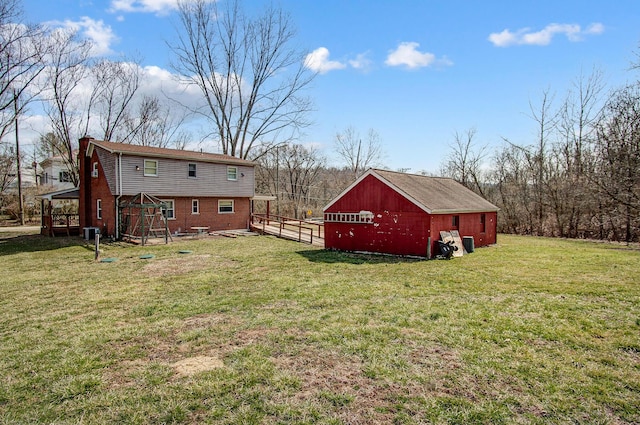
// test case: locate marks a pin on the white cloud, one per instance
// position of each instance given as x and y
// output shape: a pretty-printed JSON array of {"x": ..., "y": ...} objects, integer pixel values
[
  {"x": 361, "y": 62},
  {"x": 159, "y": 7},
  {"x": 525, "y": 36},
  {"x": 595, "y": 28},
  {"x": 100, "y": 34},
  {"x": 318, "y": 61},
  {"x": 408, "y": 55}
]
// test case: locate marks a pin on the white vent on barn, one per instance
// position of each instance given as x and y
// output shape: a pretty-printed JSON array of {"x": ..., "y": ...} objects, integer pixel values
[
  {"x": 366, "y": 216},
  {"x": 362, "y": 217}
]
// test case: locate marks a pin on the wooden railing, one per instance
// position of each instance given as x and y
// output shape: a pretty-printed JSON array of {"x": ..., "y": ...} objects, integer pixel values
[
  {"x": 61, "y": 223},
  {"x": 303, "y": 227}
]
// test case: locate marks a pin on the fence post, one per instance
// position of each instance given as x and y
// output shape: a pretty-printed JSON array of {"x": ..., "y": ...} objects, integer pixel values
[{"x": 97, "y": 242}]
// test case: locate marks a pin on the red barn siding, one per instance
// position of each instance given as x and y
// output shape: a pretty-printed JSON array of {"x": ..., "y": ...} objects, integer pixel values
[
  {"x": 469, "y": 224},
  {"x": 399, "y": 226}
]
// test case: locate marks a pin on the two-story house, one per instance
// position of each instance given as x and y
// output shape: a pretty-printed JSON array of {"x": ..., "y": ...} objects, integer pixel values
[
  {"x": 199, "y": 189},
  {"x": 55, "y": 174}
]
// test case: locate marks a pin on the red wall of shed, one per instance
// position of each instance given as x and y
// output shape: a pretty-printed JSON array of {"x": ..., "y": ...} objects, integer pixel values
[{"x": 399, "y": 227}]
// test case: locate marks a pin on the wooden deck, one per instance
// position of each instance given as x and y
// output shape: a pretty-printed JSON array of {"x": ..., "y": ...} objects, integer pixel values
[{"x": 289, "y": 228}]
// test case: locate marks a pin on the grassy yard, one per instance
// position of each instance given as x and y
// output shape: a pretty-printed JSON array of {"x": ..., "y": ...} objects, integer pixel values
[{"x": 261, "y": 330}]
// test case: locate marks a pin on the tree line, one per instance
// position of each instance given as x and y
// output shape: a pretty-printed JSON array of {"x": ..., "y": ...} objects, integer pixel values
[{"x": 579, "y": 178}]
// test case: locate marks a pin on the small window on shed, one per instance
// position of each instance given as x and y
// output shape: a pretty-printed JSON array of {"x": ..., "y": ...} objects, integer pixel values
[
  {"x": 455, "y": 222},
  {"x": 483, "y": 223}
]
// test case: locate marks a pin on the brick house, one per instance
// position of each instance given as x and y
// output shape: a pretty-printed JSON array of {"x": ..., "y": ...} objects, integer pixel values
[
  {"x": 199, "y": 189},
  {"x": 403, "y": 214}
]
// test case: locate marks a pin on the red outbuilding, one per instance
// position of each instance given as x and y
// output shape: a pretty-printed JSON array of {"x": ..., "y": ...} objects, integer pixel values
[{"x": 403, "y": 214}]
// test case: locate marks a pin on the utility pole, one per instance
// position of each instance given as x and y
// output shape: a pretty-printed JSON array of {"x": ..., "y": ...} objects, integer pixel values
[
  {"x": 20, "y": 200},
  {"x": 278, "y": 180}
]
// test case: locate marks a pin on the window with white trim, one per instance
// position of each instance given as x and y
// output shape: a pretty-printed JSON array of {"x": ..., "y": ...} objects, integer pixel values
[
  {"x": 99, "y": 209},
  {"x": 195, "y": 206},
  {"x": 170, "y": 209},
  {"x": 225, "y": 206},
  {"x": 232, "y": 173},
  {"x": 151, "y": 167},
  {"x": 362, "y": 217},
  {"x": 94, "y": 170}
]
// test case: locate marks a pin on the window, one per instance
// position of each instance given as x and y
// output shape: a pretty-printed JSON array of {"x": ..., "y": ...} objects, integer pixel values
[
  {"x": 225, "y": 207},
  {"x": 169, "y": 211},
  {"x": 151, "y": 167},
  {"x": 195, "y": 206},
  {"x": 64, "y": 177},
  {"x": 99, "y": 209},
  {"x": 192, "y": 170},
  {"x": 232, "y": 173},
  {"x": 94, "y": 170},
  {"x": 483, "y": 223},
  {"x": 455, "y": 221}
]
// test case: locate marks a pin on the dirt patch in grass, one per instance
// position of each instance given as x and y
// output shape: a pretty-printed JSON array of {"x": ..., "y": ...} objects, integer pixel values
[
  {"x": 193, "y": 365},
  {"x": 185, "y": 357}
]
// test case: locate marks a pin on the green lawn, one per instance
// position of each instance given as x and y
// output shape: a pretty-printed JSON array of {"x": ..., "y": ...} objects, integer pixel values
[{"x": 262, "y": 330}]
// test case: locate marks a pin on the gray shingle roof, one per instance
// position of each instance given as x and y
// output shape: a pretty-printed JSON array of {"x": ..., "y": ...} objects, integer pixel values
[{"x": 437, "y": 195}]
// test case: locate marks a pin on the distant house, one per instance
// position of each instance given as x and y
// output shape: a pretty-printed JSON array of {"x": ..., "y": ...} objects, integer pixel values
[
  {"x": 199, "y": 190},
  {"x": 398, "y": 213},
  {"x": 54, "y": 174}
]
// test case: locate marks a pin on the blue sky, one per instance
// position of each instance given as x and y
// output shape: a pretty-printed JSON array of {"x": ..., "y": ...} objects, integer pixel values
[{"x": 414, "y": 71}]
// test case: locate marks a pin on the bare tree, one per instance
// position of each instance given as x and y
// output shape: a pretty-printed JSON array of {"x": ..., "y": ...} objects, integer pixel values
[
  {"x": 291, "y": 172},
  {"x": 7, "y": 168},
  {"x": 571, "y": 194},
  {"x": 67, "y": 105},
  {"x": 249, "y": 72},
  {"x": 21, "y": 61},
  {"x": 115, "y": 84},
  {"x": 617, "y": 173},
  {"x": 356, "y": 155},
  {"x": 155, "y": 124},
  {"x": 464, "y": 162}
]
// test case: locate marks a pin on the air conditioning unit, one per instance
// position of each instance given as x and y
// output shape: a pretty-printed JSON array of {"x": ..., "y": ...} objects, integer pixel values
[{"x": 94, "y": 173}]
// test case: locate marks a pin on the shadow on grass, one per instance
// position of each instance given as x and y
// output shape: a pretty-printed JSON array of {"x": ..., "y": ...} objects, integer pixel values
[
  {"x": 14, "y": 244},
  {"x": 328, "y": 256}
]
